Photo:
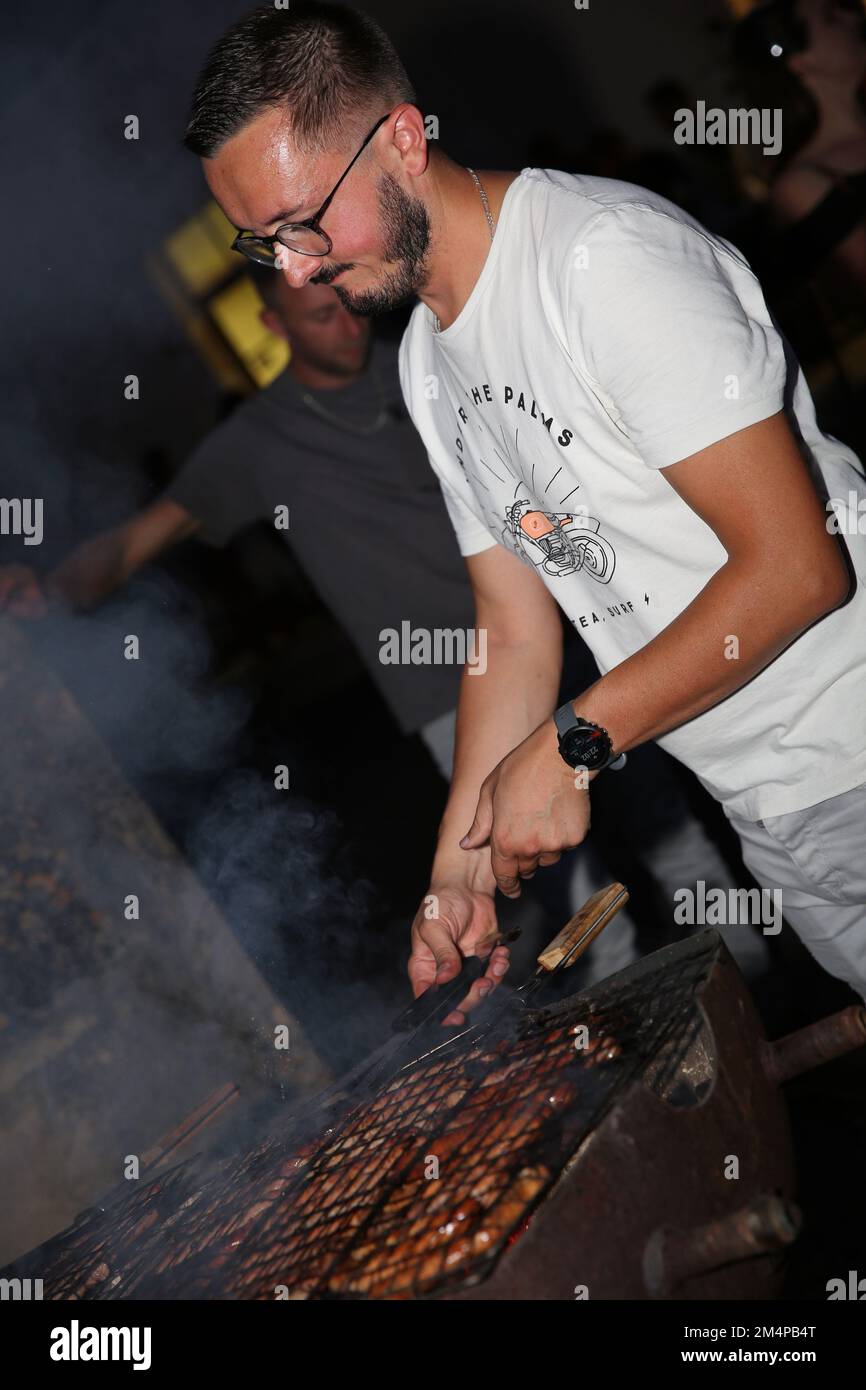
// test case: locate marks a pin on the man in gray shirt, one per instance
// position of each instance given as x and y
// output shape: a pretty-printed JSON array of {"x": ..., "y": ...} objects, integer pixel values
[{"x": 330, "y": 445}]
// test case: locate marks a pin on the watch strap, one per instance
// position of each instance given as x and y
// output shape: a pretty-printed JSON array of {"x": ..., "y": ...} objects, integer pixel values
[{"x": 564, "y": 718}]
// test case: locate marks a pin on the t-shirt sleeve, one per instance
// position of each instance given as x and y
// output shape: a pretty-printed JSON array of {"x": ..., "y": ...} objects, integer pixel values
[
  {"x": 472, "y": 535},
  {"x": 216, "y": 486},
  {"x": 673, "y": 332}
]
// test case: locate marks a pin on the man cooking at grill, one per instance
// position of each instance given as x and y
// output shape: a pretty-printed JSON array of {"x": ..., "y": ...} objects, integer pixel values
[
  {"x": 330, "y": 438},
  {"x": 617, "y": 430}
]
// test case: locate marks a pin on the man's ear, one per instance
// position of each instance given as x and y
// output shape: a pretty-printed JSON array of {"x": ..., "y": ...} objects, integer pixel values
[
  {"x": 274, "y": 324},
  {"x": 410, "y": 139}
]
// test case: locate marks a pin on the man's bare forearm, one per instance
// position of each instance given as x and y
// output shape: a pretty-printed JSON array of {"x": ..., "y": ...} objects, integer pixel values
[
  {"x": 496, "y": 712},
  {"x": 730, "y": 632},
  {"x": 102, "y": 564},
  {"x": 91, "y": 571}
]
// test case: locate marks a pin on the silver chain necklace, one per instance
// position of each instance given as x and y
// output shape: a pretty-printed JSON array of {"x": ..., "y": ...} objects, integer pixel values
[
  {"x": 341, "y": 422},
  {"x": 487, "y": 214}
]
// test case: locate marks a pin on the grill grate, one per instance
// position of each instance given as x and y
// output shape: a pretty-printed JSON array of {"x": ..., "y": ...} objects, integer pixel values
[{"x": 408, "y": 1193}]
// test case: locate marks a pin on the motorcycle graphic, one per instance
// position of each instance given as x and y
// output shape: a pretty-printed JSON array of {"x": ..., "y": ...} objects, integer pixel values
[{"x": 561, "y": 543}]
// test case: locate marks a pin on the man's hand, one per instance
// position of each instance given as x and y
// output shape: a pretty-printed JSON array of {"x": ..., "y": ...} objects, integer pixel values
[
  {"x": 530, "y": 808},
  {"x": 21, "y": 594},
  {"x": 455, "y": 921},
  {"x": 99, "y": 565}
]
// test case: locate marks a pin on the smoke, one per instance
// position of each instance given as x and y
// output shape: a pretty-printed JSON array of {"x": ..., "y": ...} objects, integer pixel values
[
  {"x": 266, "y": 855},
  {"x": 119, "y": 1025}
]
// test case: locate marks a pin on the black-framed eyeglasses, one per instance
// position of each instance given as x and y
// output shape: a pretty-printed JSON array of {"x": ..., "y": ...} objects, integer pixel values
[{"x": 307, "y": 238}]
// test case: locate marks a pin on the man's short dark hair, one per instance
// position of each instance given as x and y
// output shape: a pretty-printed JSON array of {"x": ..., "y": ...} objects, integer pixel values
[{"x": 332, "y": 69}]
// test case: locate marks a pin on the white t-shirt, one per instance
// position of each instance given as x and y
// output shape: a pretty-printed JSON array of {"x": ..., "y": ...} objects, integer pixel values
[{"x": 608, "y": 336}]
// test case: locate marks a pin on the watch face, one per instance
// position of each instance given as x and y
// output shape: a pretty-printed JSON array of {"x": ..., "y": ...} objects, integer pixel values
[{"x": 588, "y": 748}]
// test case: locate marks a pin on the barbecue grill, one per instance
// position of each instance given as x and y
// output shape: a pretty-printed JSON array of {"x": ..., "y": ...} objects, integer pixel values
[{"x": 582, "y": 1148}]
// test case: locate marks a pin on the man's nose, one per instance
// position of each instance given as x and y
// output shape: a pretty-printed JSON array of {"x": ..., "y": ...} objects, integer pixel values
[{"x": 298, "y": 269}]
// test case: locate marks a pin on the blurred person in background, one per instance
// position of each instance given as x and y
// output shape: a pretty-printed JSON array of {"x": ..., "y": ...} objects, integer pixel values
[
  {"x": 808, "y": 59},
  {"x": 329, "y": 438}
]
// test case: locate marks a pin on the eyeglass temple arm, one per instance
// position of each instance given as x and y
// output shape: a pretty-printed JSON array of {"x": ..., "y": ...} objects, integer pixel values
[
  {"x": 327, "y": 203},
  {"x": 314, "y": 221}
]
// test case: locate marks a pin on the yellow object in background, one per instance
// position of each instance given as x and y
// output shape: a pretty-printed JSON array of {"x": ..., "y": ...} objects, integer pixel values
[
  {"x": 200, "y": 250},
  {"x": 204, "y": 281},
  {"x": 235, "y": 310}
]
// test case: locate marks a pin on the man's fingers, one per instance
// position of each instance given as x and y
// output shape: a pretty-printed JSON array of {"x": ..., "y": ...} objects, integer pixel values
[
  {"x": 24, "y": 604},
  {"x": 497, "y": 967},
  {"x": 498, "y": 964},
  {"x": 20, "y": 591},
  {"x": 446, "y": 959},
  {"x": 508, "y": 884},
  {"x": 421, "y": 970},
  {"x": 21, "y": 596},
  {"x": 479, "y": 831},
  {"x": 506, "y": 868},
  {"x": 10, "y": 580},
  {"x": 474, "y": 996}
]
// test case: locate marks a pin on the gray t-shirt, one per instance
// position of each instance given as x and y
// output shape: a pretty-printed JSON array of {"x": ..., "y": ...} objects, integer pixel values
[{"x": 367, "y": 522}]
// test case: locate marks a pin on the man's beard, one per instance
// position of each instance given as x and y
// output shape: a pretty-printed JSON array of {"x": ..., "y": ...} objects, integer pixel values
[{"x": 406, "y": 236}]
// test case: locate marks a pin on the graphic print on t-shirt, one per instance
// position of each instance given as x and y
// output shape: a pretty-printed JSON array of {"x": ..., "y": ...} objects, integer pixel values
[{"x": 560, "y": 542}]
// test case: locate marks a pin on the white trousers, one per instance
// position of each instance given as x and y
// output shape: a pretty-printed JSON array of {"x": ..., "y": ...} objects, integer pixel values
[{"x": 817, "y": 858}]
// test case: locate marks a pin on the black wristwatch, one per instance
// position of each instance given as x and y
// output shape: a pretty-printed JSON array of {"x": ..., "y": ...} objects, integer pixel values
[{"x": 582, "y": 744}]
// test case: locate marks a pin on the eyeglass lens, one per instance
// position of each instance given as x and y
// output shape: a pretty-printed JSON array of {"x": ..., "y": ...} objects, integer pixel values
[{"x": 302, "y": 239}]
